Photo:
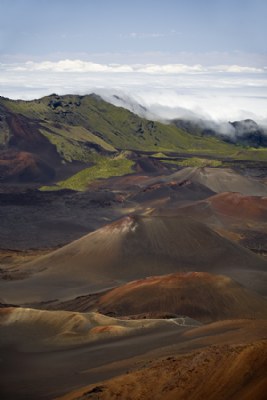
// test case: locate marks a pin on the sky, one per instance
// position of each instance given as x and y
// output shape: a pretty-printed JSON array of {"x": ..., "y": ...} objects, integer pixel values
[{"x": 205, "y": 57}]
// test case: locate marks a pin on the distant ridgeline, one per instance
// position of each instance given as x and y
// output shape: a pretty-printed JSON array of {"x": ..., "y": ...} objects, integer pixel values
[
  {"x": 53, "y": 138},
  {"x": 246, "y": 132}
]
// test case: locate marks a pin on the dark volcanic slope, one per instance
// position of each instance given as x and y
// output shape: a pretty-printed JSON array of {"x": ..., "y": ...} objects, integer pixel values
[
  {"x": 132, "y": 248},
  {"x": 198, "y": 295},
  {"x": 224, "y": 209},
  {"x": 221, "y": 180},
  {"x": 92, "y": 348},
  {"x": 238, "y": 217},
  {"x": 31, "y": 219},
  {"x": 22, "y": 166},
  {"x": 171, "y": 192}
]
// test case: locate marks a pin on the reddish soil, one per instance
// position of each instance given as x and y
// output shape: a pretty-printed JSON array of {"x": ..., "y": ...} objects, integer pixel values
[
  {"x": 197, "y": 295},
  {"x": 5, "y": 311},
  {"x": 238, "y": 205},
  {"x": 21, "y": 166},
  {"x": 219, "y": 372},
  {"x": 25, "y": 136}
]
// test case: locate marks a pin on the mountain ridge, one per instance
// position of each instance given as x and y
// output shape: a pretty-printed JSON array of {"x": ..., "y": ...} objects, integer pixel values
[{"x": 72, "y": 129}]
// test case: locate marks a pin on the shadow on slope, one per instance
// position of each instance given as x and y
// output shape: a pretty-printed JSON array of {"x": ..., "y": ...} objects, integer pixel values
[
  {"x": 132, "y": 248},
  {"x": 233, "y": 215}
]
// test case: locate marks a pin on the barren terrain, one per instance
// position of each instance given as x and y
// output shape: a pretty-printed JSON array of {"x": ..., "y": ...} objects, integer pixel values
[{"x": 132, "y": 257}]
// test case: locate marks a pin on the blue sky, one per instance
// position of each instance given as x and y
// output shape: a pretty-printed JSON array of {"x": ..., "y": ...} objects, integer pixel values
[
  {"x": 47, "y": 29},
  {"x": 208, "y": 57}
]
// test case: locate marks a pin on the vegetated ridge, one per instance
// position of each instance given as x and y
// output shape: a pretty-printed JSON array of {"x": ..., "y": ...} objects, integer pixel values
[{"x": 56, "y": 134}]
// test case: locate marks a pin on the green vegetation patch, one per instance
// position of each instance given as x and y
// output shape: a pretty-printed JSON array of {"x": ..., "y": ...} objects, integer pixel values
[
  {"x": 81, "y": 119},
  {"x": 32, "y": 108},
  {"x": 68, "y": 149},
  {"x": 251, "y": 154},
  {"x": 159, "y": 155},
  {"x": 198, "y": 162},
  {"x": 78, "y": 134},
  {"x": 104, "y": 168},
  {"x": 72, "y": 142}
]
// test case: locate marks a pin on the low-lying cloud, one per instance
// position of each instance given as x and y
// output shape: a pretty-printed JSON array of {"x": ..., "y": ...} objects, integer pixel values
[
  {"x": 219, "y": 92},
  {"x": 86, "y": 66}
]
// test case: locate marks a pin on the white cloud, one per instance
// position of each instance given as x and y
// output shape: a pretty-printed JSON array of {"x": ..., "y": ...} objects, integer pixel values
[
  {"x": 221, "y": 92},
  {"x": 87, "y": 66},
  {"x": 69, "y": 66},
  {"x": 235, "y": 69},
  {"x": 149, "y": 35},
  {"x": 171, "y": 69}
]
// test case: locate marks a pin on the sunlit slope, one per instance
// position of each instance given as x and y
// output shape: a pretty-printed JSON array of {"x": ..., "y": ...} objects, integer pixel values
[
  {"x": 32, "y": 330},
  {"x": 218, "y": 372}
]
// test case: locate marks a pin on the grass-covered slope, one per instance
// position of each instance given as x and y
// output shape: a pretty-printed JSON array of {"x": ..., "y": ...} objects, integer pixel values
[
  {"x": 89, "y": 118},
  {"x": 104, "y": 167},
  {"x": 86, "y": 129}
]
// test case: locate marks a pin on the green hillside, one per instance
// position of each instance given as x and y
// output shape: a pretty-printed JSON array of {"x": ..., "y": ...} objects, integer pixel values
[
  {"x": 89, "y": 118},
  {"x": 86, "y": 130}
]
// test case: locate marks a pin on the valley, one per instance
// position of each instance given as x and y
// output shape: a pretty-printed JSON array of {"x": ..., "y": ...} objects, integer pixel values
[{"x": 132, "y": 256}]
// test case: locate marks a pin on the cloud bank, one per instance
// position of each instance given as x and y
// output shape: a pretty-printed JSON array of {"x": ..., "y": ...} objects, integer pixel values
[
  {"x": 218, "y": 92},
  {"x": 86, "y": 66}
]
